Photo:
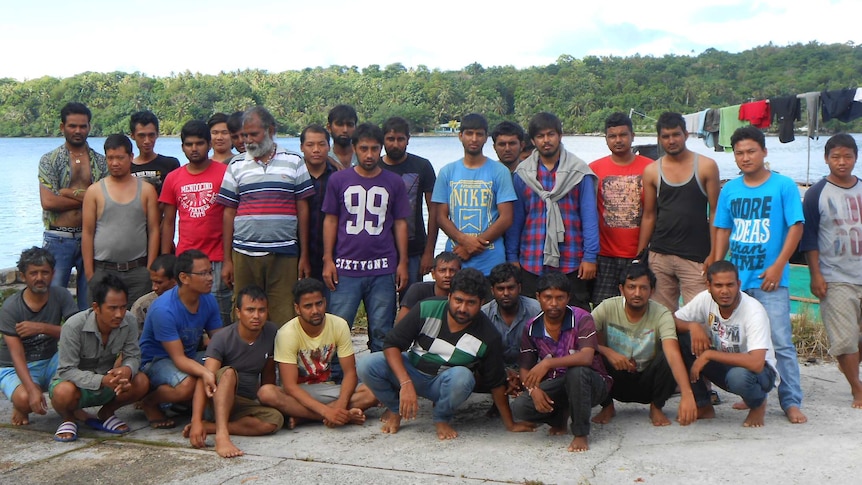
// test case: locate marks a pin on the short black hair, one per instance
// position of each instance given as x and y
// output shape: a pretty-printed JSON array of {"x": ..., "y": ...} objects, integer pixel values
[
  {"x": 196, "y": 128},
  {"x": 254, "y": 292},
  {"x": 313, "y": 128},
  {"x": 553, "y": 280},
  {"x": 396, "y": 124},
  {"x": 507, "y": 128},
  {"x": 306, "y": 286},
  {"x": 669, "y": 120},
  {"x": 503, "y": 272},
  {"x": 143, "y": 118},
  {"x": 470, "y": 281},
  {"x": 367, "y": 130},
  {"x": 841, "y": 140},
  {"x": 748, "y": 133},
  {"x": 543, "y": 121},
  {"x": 234, "y": 122},
  {"x": 618, "y": 119},
  {"x": 105, "y": 284},
  {"x": 166, "y": 263},
  {"x": 217, "y": 118},
  {"x": 635, "y": 270},
  {"x": 342, "y": 112},
  {"x": 721, "y": 266},
  {"x": 445, "y": 257},
  {"x": 186, "y": 262},
  {"x": 118, "y": 140},
  {"x": 473, "y": 121},
  {"x": 75, "y": 109},
  {"x": 35, "y": 256}
]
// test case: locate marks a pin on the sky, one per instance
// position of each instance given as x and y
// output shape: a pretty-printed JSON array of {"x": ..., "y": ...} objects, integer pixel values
[{"x": 159, "y": 37}]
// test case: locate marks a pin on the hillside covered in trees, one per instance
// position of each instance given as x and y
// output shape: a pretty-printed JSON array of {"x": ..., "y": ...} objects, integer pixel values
[{"x": 581, "y": 91}]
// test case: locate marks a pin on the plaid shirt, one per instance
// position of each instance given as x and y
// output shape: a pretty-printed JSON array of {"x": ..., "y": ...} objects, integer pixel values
[
  {"x": 55, "y": 173},
  {"x": 525, "y": 239}
]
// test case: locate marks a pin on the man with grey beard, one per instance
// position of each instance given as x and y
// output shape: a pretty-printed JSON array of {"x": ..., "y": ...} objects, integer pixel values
[{"x": 265, "y": 224}]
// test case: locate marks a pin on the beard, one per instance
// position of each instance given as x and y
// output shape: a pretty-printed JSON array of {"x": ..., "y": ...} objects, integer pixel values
[
  {"x": 258, "y": 150},
  {"x": 342, "y": 141}
]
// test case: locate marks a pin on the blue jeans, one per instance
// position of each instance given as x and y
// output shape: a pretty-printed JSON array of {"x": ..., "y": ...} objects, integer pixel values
[
  {"x": 777, "y": 305},
  {"x": 752, "y": 388},
  {"x": 446, "y": 390},
  {"x": 378, "y": 294},
  {"x": 223, "y": 295},
  {"x": 413, "y": 268},
  {"x": 67, "y": 255}
]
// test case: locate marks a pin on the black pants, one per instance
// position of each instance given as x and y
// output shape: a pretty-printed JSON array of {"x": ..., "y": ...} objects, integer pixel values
[
  {"x": 574, "y": 394},
  {"x": 579, "y": 297},
  {"x": 653, "y": 385}
]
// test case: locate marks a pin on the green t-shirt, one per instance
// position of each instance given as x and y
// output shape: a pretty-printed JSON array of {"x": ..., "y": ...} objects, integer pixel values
[{"x": 641, "y": 340}]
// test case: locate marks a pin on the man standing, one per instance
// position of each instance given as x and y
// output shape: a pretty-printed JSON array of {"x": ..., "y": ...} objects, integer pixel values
[
  {"x": 759, "y": 219},
  {"x": 152, "y": 167},
  {"x": 163, "y": 279},
  {"x": 365, "y": 238},
  {"x": 446, "y": 264},
  {"x": 341, "y": 122},
  {"x": 173, "y": 329},
  {"x": 509, "y": 310},
  {"x": 304, "y": 348},
  {"x": 443, "y": 343},
  {"x": 30, "y": 323},
  {"x": 638, "y": 342},
  {"x": 724, "y": 336},
  {"x": 191, "y": 192},
  {"x": 474, "y": 198},
  {"x": 265, "y": 228},
  {"x": 89, "y": 373},
  {"x": 220, "y": 137},
  {"x": 560, "y": 368},
  {"x": 64, "y": 175},
  {"x": 620, "y": 205},
  {"x": 241, "y": 359},
  {"x": 680, "y": 195},
  {"x": 555, "y": 224},
  {"x": 121, "y": 223},
  {"x": 314, "y": 143},
  {"x": 834, "y": 259},
  {"x": 234, "y": 126},
  {"x": 508, "y": 138},
  {"x": 418, "y": 176}
]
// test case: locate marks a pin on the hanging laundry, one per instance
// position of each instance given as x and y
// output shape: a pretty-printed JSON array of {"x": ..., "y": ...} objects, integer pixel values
[
  {"x": 729, "y": 123},
  {"x": 858, "y": 96},
  {"x": 756, "y": 112},
  {"x": 812, "y": 107},
  {"x": 786, "y": 110},
  {"x": 839, "y": 104},
  {"x": 690, "y": 122},
  {"x": 711, "y": 124}
]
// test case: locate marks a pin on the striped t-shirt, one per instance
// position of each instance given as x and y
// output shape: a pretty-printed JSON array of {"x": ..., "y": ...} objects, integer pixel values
[{"x": 264, "y": 196}]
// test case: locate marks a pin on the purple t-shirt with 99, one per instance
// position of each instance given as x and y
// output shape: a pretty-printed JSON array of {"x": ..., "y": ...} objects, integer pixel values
[{"x": 367, "y": 209}]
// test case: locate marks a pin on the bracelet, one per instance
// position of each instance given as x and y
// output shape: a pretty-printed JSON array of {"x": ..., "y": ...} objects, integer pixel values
[
  {"x": 529, "y": 390},
  {"x": 78, "y": 192},
  {"x": 408, "y": 381}
]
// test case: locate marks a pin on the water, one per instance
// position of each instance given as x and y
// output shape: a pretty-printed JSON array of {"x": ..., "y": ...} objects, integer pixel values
[{"x": 21, "y": 217}]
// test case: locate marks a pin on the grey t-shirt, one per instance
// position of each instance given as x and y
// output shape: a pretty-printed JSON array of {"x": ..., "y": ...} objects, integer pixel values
[
  {"x": 247, "y": 359},
  {"x": 60, "y": 306}
]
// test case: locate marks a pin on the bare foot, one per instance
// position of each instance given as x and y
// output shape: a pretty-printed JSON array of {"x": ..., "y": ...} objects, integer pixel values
[
  {"x": 292, "y": 423},
  {"x": 187, "y": 430},
  {"x": 755, "y": 418},
  {"x": 705, "y": 412},
  {"x": 555, "y": 431},
  {"x": 19, "y": 418},
  {"x": 605, "y": 415},
  {"x": 657, "y": 416},
  {"x": 857, "y": 400},
  {"x": 225, "y": 447},
  {"x": 795, "y": 416},
  {"x": 445, "y": 432},
  {"x": 579, "y": 444},
  {"x": 385, "y": 416},
  {"x": 356, "y": 416},
  {"x": 740, "y": 406},
  {"x": 392, "y": 423}
]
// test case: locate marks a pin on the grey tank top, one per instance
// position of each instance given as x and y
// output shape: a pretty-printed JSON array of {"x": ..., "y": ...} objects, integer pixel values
[{"x": 121, "y": 232}]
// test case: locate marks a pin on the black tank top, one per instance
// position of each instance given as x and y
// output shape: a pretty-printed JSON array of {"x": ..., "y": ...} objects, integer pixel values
[{"x": 681, "y": 226}]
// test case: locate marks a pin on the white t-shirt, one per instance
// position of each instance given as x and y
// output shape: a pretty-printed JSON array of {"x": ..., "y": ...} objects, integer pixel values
[{"x": 747, "y": 328}]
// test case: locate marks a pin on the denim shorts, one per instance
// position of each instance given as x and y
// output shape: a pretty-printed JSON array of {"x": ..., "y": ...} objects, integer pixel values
[
  {"x": 163, "y": 371},
  {"x": 41, "y": 371}
]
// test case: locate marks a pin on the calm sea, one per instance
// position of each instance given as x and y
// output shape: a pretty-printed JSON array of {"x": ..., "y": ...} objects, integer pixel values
[{"x": 20, "y": 212}]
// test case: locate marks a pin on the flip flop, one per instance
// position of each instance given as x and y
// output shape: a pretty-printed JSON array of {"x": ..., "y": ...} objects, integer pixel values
[
  {"x": 166, "y": 423},
  {"x": 69, "y": 427},
  {"x": 111, "y": 425}
]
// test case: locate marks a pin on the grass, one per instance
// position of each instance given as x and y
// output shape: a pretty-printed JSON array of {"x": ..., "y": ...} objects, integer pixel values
[{"x": 810, "y": 334}]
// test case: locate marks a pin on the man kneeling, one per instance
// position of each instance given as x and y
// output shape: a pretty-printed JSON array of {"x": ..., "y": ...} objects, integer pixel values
[
  {"x": 560, "y": 368},
  {"x": 447, "y": 340},
  {"x": 734, "y": 351},
  {"x": 87, "y": 375},
  {"x": 304, "y": 349},
  {"x": 240, "y": 356}
]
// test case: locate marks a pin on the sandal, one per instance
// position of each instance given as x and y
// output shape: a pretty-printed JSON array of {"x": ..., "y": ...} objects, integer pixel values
[
  {"x": 67, "y": 427},
  {"x": 113, "y": 425}
]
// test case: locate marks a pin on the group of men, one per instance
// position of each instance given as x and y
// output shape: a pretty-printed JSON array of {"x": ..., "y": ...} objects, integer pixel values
[{"x": 302, "y": 239}]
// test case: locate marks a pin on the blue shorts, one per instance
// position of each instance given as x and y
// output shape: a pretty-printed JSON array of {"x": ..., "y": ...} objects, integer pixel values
[
  {"x": 41, "y": 371},
  {"x": 164, "y": 372}
]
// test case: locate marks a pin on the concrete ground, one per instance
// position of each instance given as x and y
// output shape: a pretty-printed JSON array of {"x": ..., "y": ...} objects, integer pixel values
[{"x": 629, "y": 450}]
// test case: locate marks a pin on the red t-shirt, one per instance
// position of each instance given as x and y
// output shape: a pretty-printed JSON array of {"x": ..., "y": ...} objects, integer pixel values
[
  {"x": 200, "y": 217},
  {"x": 620, "y": 203}
]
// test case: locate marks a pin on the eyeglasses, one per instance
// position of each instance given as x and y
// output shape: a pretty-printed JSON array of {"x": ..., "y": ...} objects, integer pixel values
[{"x": 202, "y": 274}]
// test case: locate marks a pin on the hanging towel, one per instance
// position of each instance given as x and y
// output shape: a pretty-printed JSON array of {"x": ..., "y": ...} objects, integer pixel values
[
  {"x": 786, "y": 110},
  {"x": 690, "y": 122},
  {"x": 757, "y": 113},
  {"x": 711, "y": 124},
  {"x": 839, "y": 104},
  {"x": 812, "y": 107},
  {"x": 729, "y": 123},
  {"x": 858, "y": 96}
]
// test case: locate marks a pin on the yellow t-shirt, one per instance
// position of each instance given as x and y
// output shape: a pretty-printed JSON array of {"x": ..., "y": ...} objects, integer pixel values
[{"x": 313, "y": 355}]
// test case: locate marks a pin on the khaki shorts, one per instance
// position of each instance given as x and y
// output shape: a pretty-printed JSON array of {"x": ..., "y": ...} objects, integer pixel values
[
  {"x": 243, "y": 406},
  {"x": 841, "y": 311},
  {"x": 675, "y": 275}
]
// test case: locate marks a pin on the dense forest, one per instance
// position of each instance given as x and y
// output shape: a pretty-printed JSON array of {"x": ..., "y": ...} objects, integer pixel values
[{"x": 581, "y": 91}]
